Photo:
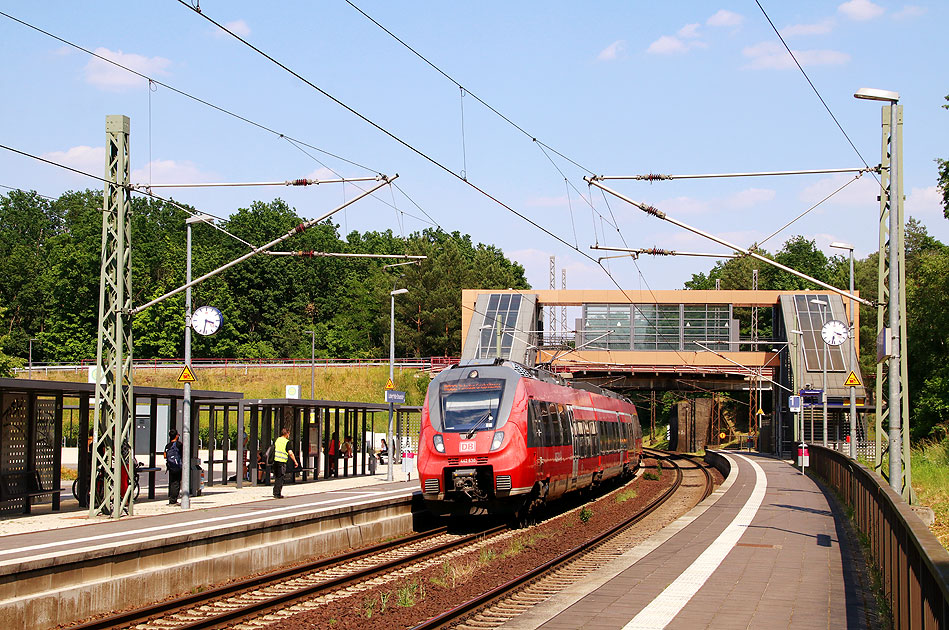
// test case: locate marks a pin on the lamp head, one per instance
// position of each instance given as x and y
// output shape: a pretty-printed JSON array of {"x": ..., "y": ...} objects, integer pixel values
[
  {"x": 839, "y": 245},
  {"x": 819, "y": 301},
  {"x": 398, "y": 291},
  {"x": 873, "y": 94}
]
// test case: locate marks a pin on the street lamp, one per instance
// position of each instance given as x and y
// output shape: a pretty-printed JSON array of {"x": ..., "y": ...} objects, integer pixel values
[
  {"x": 820, "y": 304},
  {"x": 853, "y": 357},
  {"x": 392, "y": 294},
  {"x": 186, "y": 400},
  {"x": 895, "y": 197},
  {"x": 312, "y": 363}
]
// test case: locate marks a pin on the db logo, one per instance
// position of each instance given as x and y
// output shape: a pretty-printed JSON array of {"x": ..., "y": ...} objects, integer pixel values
[{"x": 466, "y": 447}]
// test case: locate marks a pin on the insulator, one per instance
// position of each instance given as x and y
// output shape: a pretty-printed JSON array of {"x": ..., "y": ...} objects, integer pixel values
[
  {"x": 656, "y": 212},
  {"x": 300, "y": 182}
]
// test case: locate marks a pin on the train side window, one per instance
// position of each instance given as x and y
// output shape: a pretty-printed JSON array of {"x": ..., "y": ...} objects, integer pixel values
[
  {"x": 564, "y": 425},
  {"x": 551, "y": 425},
  {"x": 534, "y": 424}
]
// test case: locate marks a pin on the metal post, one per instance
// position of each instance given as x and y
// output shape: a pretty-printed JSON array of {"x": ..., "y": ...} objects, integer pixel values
[
  {"x": 31, "y": 357},
  {"x": 893, "y": 310},
  {"x": 823, "y": 318},
  {"x": 312, "y": 363},
  {"x": 186, "y": 403},
  {"x": 853, "y": 363}
]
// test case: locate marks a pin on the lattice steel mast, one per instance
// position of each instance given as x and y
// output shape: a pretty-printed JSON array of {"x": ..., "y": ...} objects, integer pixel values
[{"x": 113, "y": 449}]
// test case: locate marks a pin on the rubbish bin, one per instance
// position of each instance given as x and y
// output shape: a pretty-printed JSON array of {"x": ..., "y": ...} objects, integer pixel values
[{"x": 803, "y": 455}]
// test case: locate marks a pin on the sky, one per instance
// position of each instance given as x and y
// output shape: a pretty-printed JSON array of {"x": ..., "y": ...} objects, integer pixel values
[{"x": 614, "y": 88}]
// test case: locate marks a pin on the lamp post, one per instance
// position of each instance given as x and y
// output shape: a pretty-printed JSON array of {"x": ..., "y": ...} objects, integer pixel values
[
  {"x": 853, "y": 357},
  {"x": 186, "y": 400},
  {"x": 312, "y": 363},
  {"x": 894, "y": 402},
  {"x": 32, "y": 339},
  {"x": 389, "y": 445},
  {"x": 820, "y": 304}
]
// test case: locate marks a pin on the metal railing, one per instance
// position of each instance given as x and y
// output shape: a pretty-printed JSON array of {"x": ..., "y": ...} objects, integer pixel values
[{"x": 913, "y": 565}]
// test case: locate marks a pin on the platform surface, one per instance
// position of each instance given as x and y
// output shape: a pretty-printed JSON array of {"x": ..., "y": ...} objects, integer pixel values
[
  {"x": 70, "y": 531},
  {"x": 767, "y": 550}
]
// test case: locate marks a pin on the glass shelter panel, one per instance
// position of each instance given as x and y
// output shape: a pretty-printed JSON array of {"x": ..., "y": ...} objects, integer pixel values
[
  {"x": 656, "y": 326},
  {"x": 811, "y": 317},
  {"x": 500, "y": 326},
  {"x": 606, "y": 326}
]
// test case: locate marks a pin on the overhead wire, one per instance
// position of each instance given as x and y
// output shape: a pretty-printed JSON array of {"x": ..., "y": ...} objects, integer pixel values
[
  {"x": 814, "y": 88},
  {"x": 388, "y": 133},
  {"x": 28, "y": 192}
]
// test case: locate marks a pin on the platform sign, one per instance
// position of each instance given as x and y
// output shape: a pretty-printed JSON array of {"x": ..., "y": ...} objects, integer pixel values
[
  {"x": 186, "y": 376},
  {"x": 393, "y": 396},
  {"x": 794, "y": 404}
]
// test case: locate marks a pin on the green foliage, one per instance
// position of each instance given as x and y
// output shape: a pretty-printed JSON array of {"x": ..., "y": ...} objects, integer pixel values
[
  {"x": 650, "y": 476},
  {"x": 50, "y": 261},
  {"x": 944, "y": 178},
  {"x": 586, "y": 513}
]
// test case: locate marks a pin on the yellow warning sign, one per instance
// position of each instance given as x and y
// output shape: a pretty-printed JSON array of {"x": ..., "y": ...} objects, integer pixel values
[
  {"x": 390, "y": 384},
  {"x": 760, "y": 411},
  {"x": 186, "y": 376},
  {"x": 721, "y": 435},
  {"x": 852, "y": 380}
]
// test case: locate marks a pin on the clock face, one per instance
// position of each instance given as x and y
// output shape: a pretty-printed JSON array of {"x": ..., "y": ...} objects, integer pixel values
[
  {"x": 206, "y": 320},
  {"x": 835, "y": 332}
]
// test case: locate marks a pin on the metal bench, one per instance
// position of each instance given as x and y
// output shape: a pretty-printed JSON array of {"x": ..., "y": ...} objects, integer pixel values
[{"x": 23, "y": 484}]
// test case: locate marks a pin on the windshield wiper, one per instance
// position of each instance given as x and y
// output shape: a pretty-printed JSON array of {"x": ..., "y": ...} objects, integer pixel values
[{"x": 481, "y": 420}]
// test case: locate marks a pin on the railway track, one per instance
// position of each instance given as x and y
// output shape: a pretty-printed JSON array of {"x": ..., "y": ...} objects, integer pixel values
[
  {"x": 243, "y": 600},
  {"x": 496, "y": 607},
  {"x": 268, "y": 599}
]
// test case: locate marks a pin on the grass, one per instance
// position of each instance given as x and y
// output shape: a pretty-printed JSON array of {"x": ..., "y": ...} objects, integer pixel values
[
  {"x": 625, "y": 495},
  {"x": 586, "y": 513},
  {"x": 355, "y": 384},
  {"x": 651, "y": 476},
  {"x": 930, "y": 462}
]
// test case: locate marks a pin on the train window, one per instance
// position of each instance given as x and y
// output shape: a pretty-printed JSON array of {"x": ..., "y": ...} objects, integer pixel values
[
  {"x": 549, "y": 415},
  {"x": 555, "y": 433},
  {"x": 564, "y": 424},
  {"x": 470, "y": 404},
  {"x": 533, "y": 424}
]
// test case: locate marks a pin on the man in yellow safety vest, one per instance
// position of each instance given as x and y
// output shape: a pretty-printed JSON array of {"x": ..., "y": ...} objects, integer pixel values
[{"x": 281, "y": 454}]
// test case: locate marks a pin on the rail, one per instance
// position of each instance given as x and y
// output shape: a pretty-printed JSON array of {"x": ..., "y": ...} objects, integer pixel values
[{"x": 913, "y": 565}]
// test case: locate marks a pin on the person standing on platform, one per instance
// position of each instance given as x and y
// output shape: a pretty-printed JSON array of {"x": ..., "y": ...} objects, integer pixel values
[
  {"x": 282, "y": 454},
  {"x": 173, "y": 463},
  {"x": 332, "y": 456},
  {"x": 347, "y": 450}
]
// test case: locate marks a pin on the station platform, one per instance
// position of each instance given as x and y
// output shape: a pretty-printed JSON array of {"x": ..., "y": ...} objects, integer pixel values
[
  {"x": 61, "y": 567},
  {"x": 768, "y": 549}
]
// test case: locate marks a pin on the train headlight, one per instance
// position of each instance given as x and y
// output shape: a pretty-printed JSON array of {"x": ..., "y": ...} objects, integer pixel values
[
  {"x": 439, "y": 442},
  {"x": 496, "y": 442}
]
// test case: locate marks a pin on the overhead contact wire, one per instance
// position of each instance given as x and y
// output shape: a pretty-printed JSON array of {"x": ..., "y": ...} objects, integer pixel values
[{"x": 386, "y": 132}]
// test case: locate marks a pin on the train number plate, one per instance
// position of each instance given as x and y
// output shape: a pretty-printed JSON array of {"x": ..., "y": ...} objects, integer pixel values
[{"x": 466, "y": 447}]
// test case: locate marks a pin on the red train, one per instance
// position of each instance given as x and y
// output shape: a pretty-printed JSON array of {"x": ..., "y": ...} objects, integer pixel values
[{"x": 502, "y": 438}]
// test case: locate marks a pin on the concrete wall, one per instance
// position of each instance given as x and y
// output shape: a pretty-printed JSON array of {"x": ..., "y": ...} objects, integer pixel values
[{"x": 48, "y": 591}]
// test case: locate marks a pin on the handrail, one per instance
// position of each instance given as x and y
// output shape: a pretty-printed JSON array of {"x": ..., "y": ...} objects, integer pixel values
[{"x": 913, "y": 564}]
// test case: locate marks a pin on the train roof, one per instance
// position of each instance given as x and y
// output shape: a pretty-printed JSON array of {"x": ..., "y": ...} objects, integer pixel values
[{"x": 542, "y": 375}]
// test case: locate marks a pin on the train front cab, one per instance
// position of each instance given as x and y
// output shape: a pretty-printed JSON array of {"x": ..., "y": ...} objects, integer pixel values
[{"x": 472, "y": 441}]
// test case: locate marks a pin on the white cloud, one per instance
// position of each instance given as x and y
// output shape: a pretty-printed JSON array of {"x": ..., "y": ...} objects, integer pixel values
[
  {"x": 725, "y": 18},
  {"x": 862, "y": 192},
  {"x": 105, "y": 75},
  {"x": 909, "y": 11},
  {"x": 689, "y": 31},
  {"x": 613, "y": 51},
  {"x": 817, "y": 28},
  {"x": 86, "y": 159},
  {"x": 684, "y": 205},
  {"x": 861, "y": 10},
  {"x": 770, "y": 55},
  {"x": 667, "y": 45},
  {"x": 170, "y": 172},
  {"x": 238, "y": 27},
  {"x": 322, "y": 173},
  {"x": 924, "y": 202},
  {"x": 750, "y": 198}
]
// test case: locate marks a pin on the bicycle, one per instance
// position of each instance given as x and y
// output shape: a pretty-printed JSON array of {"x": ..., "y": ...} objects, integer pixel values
[{"x": 136, "y": 488}]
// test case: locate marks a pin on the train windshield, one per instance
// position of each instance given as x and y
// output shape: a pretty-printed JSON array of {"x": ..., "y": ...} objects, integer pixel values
[{"x": 471, "y": 404}]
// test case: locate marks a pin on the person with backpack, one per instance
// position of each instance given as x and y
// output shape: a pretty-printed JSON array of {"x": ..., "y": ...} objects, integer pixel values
[{"x": 173, "y": 463}]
